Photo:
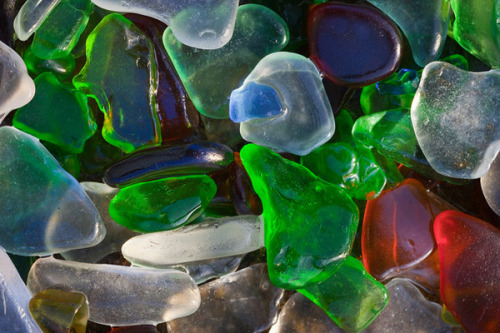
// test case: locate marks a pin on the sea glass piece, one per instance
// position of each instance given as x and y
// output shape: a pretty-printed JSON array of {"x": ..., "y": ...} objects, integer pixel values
[
  {"x": 395, "y": 92},
  {"x": 470, "y": 272},
  {"x": 297, "y": 203},
  {"x": 125, "y": 96},
  {"x": 306, "y": 120},
  {"x": 351, "y": 296},
  {"x": 60, "y": 311},
  {"x": 43, "y": 209},
  {"x": 124, "y": 295},
  {"x": 258, "y": 32},
  {"x": 455, "y": 117},
  {"x": 14, "y": 310},
  {"x": 178, "y": 117},
  {"x": 204, "y": 270},
  {"x": 301, "y": 315},
  {"x": 163, "y": 204},
  {"x": 353, "y": 45},
  {"x": 16, "y": 87},
  {"x": 424, "y": 23},
  {"x": 207, "y": 239},
  {"x": 476, "y": 29},
  {"x": 202, "y": 24},
  {"x": 397, "y": 237},
  {"x": 116, "y": 234},
  {"x": 245, "y": 300},
  {"x": 244, "y": 198},
  {"x": 31, "y": 15},
  {"x": 352, "y": 168},
  {"x": 58, "y": 34},
  {"x": 62, "y": 68},
  {"x": 258, "y": 101},
  {"x": 58, "y": 114},
  {"x": 201, "y": 157},
  {"x": 489, "y": 185},
  {"x": 408, "y": 311}
]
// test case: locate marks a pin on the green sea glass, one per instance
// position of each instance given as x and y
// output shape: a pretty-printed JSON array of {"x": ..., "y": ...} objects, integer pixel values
[
  {"x": 58, "y": 114},
  {"x": 62, "y": 68},
  {"x": 60, "y": 31},
  {"x": 120, "y": 74},
  {"x": 298, "y": 204},
  {"x": 211, "y": 75},
  {"x": 163, "y": 204},
  {"x": 476, "y": 28},
  {"x": 351, "y": 296}
]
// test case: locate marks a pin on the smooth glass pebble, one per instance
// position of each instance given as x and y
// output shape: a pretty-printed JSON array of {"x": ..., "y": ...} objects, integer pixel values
[
  {"x": 258, "y": 32},
  {"x": 158, "y": 295},
  {"x": 16, "y": 86},
  {"x": 306, "y": 120},
  {"x": 207, "y": 239},
  {"x": 489, "y": 185},
  {"x": 60, "y": 311},
  {"x": 455, "y": 118},
  {"x": 246, "y": 300},
  {"x": 424, "y": 23},
  {"x": 116, "y": 234},
  {"x": 14, "y": 307},
  {"x": 31, "y": 16},
  {"x": 353, "y": 45},
  {"x": 62, "y": 68},
  {"x": 205, "y": 24},
  {"x": 43, "y": 209}
]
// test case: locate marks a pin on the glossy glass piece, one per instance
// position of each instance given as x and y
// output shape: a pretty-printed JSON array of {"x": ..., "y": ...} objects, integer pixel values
[
  {"x": 58, "y": 34},
  {"x": 163, "y": 204},
  {"x": 245, "y": 299},
  {"x": 306, "y": 118},
  {"x": 201, "y": 157},
  {"x": 17, "y": 88},
  {"x": 258, "y": 32},
  {"x": 39, "y": 199},
  {"x": 457, "y": 142},
  {"x": 397, "y": 238},
  {"x": 31, "y": 16},
  {"x": 351, "y": 297},
  {"x": 202, "y": 24},
  {"x": 425, "y": 24},
  {"x": 125, "y": 96},
  {"x": 58, "y": 114},
  {"x": 297, "y": 203},
  {"x": 353, "y": 45},
  {"x": 124, "y": 295},
  {"x": 470, "y": 271},
  {"x": 60, "y": 311},
  {"x": 62, "y": 68}
]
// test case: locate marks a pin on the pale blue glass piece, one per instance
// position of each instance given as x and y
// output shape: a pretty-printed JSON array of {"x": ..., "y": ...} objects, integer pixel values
[
  {"x": 253, "y": 101},
  {"x": 307, "y": 121}
]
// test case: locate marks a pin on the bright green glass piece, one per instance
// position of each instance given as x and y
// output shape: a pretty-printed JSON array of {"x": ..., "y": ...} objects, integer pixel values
[
  {"x": 60, "y": 31},
  {"x": 351, "y": 296},
  {"x": 60, "y": 311},
  {"x": 62, "y": 68},
  {"x": 476, "y": 28},
  {"x": 211, "y": 75},
  {"x": 352, "y": 168},
  {"x": 57, "y": 114},
  {"x": 298, "y": 204},
  {"x": 120, "y": 74},
  {"x": 163, "y": 204}
]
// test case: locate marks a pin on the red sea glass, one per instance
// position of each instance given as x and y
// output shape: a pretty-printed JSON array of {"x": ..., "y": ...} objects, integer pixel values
[
  {"x": 353, "y": 45},
  {"x": 469, "y": 249},
  {"x": 397, "y": 238}
]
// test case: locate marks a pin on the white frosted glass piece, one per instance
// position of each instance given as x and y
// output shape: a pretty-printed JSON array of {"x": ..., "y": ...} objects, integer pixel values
[
  {"x": 16, "y": 86},
  {"x": 120, "y": 295},
  {"x": 116, "y": 234},
  {"x": 14, "y": 300},
  {"x": 207, "y": 24},
  {"x": 31, "y": 16},
  {"x": 209, "y": 239},
  {"x": 490, "y": 184}
]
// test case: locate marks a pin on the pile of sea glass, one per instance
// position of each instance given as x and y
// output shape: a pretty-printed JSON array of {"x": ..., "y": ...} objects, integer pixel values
[{"x": 250, "y": 166}]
